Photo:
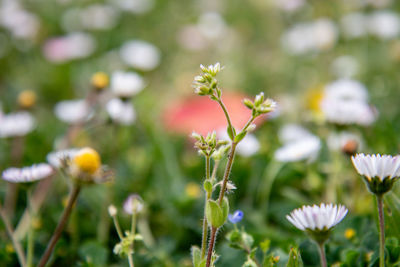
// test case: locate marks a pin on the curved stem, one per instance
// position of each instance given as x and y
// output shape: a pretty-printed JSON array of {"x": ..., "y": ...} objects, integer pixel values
[
  {"x": 61, "y": 224},
  {"x": 379, "y": 201},
  {"x": 322, "y": 255},
  {"x": 205, "y": 226},
  {"x": 16, "y": 244},
  {"x": 228, "y": 119}
]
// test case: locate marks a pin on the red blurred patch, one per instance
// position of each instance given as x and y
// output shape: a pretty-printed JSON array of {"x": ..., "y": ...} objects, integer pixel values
[{"x": 203, "y": 115}]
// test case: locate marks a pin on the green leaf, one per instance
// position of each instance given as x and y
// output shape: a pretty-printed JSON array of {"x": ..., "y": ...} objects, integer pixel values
[
  {"x": 196, "y": 257},
  {"x": 225, "y": 209},
  {"x": 294, "y": 258},
  {"x": 264, "y": 245},
  {"x": 240, "y": 136},
  {"x": 94, "y": 253},
  {"x": 214, "y": 214}
]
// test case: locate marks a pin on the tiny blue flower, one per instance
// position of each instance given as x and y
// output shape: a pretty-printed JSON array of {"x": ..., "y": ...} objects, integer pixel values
[{"x": 236, "y": 217}]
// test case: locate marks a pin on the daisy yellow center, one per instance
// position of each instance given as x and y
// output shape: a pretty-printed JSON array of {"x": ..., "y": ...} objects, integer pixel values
[
  {"x": 26, "y": 99},
  {"x": 314, "y": 99},
  {"x": 100, "y": 80},
  {"x": 88, "y": 160}
]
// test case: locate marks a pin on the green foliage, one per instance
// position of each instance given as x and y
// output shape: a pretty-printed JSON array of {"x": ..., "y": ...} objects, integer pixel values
[{"x": 294, "y": 258}]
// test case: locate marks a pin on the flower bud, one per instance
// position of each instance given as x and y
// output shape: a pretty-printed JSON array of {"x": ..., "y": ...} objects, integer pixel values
[
  {"x": 26, "y": 99},
  {"x": 112, "y": 210},
  {"x": 100, "y": 80}
]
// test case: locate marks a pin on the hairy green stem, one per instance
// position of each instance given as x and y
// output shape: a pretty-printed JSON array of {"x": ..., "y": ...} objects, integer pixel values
[
  {"x": 379, "y": 201},
  {"x": 321, "y": 249},
  {"x": 17, "y": 246},
  {"x": 205, "y": 226},
  {"x": 228, "y": 119},
  {"x": 133, "y": 230},
  {"x": 61, "y": 224},
  {"x": 118, "y": 228},
  {"x": 228, "y": 169}
]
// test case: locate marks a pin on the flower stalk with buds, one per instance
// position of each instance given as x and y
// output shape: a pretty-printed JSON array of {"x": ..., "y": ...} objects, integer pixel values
[{"x": 216, "y": 211}]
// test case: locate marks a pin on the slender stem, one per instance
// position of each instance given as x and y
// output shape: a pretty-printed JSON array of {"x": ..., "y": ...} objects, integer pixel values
[
  {"x": 118, "y": 228},
  {"x": 379, "y": 201},
  {"x": 228, "y": 119},
  {"x": 16, "y": 244},
  {"x": 130, "y": 260},
  {"x": 30, "y": 246},
  {"x": 61, "y": 224},
  {"x": 211, "y": 245},
  {"x": 322, "y": 255},
  {"x": 214, "y": 172},
  {"x": 205, "y": 226}
]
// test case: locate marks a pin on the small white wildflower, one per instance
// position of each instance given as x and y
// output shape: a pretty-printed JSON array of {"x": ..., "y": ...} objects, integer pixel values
[
  {"x": 72, "y": 111},
  {"x": 140, "y": 55},
  {"x": 57, "y": 158},
  {"x": 16, "y": 124},
  {"x": 133, "y": 204},
  {"x": 126, "y": 84}
]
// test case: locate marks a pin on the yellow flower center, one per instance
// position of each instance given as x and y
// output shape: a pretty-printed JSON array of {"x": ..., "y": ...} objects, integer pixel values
[
  {"x": 349, "y": 233},
  {"x": 26, "y": 99},
  {"x": 100, "y": 80},
  {"x": 88, "y": 160},
  {"x": 314, "y": 98},
  {"x": 192, "y": 190}
]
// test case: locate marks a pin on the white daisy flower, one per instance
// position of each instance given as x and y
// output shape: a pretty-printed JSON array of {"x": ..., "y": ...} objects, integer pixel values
[
  {"x": 212, "y": 25},
  {"x": 56, "y": 158},
  {"x": 379, "y": 172},
  {"x": 121, "y": 111},
  {"x": 302, "y": 149},
  {"x": 27, "y": 174},
  {"x": 126, "y": 84},
  {"x": 348, "y": 112},
  {"x": 317, "y": 218},
  {"x": 133, "y": 203},
  {"x": 372, "y": 166},
  {"x": 72, "y": 111},
  {"x": 140, "y": 55},
  {"x": 16, "y": 124},
  {"x": 346, "y": 89},
  {"x": 293, "y": 132}
]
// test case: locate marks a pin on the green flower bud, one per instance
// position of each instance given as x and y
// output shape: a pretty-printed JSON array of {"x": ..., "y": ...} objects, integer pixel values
[
  {"x": 248, "y": 103},
  {"x": 259, "y": 99},
  {"x": 217, "y": 214},
  {"x": 208, "y": 186}
]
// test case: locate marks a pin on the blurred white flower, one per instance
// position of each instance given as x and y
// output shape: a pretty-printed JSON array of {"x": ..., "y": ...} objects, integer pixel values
[
  {"x": 377, "y": 166},
  {"x": 211, "y": 25},
  {"x": 126, "y": 84},
  {"x": 346, "y": 89},
  {"x": 133, "y": 204},
  {"x": 293, "y": 132},
  {"x": 384, "y": 24},
  {"x": 72, "y": 111},
  {"x": 340, "y": 141},
  {"x": 27, "y": 174},
  {"x": 302, "y": 149},
  {"x": 121, "y": 111},
  {"x": 140, "y": 55},
  {"x": 317, "y": 218},
  {"x": 56, "y": 158},
  {"x": 21, "y": 23},
  {"x": 247, "y": 147},
  {"x": 16, "y": 124},
  {"x": 72, "y": 46},
  {"x": 345, "y": 102},
  {"x": 289, "y": 5},
  {"x": 354, "y": 25},
  {"x": 345, "y": 66},
  {"x": 299, "y": 144},
  {"x": 315, "y": 36},
  {"x": 93, "y": 17},
  {"x": 134, "y": 6}
]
